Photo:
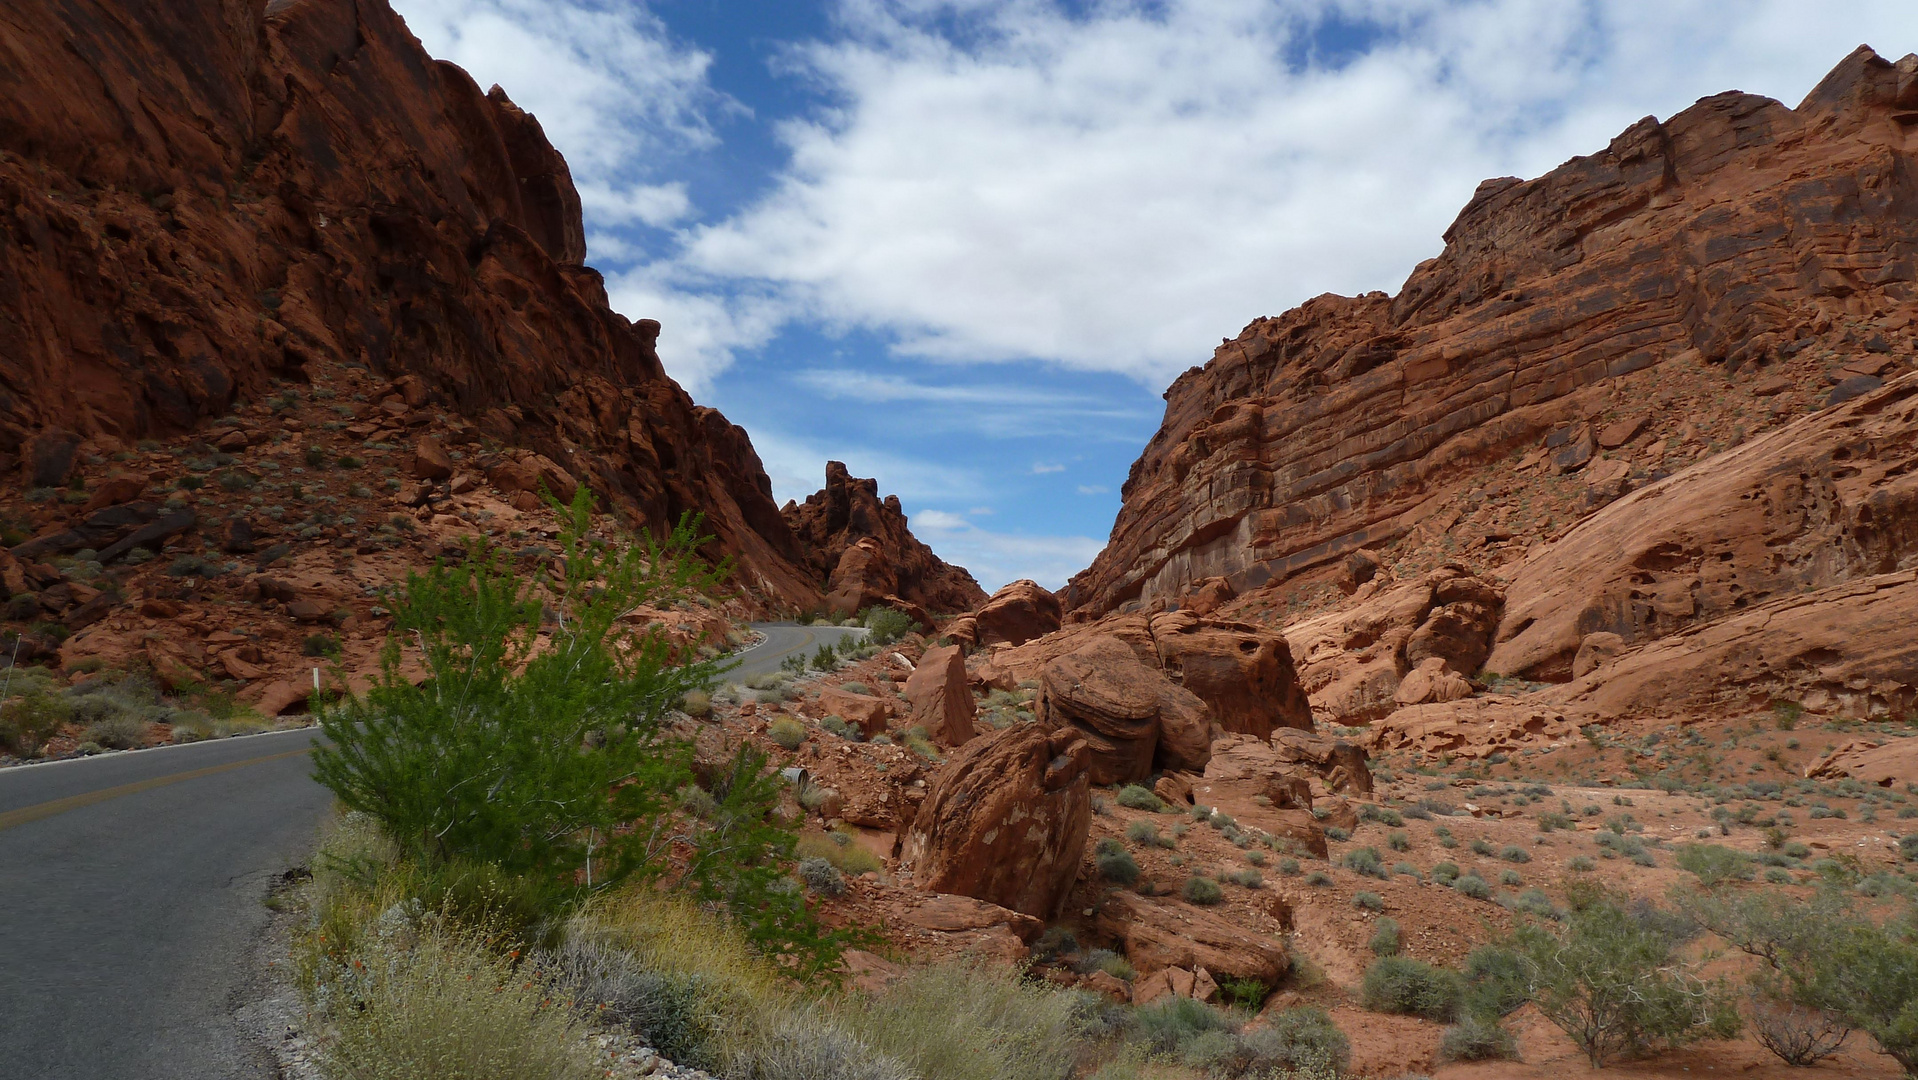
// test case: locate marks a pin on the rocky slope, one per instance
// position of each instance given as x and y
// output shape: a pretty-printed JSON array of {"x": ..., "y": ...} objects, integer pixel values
[
  {"x": 200, "y": 200},
  {"x": 1698, "y": 282}
]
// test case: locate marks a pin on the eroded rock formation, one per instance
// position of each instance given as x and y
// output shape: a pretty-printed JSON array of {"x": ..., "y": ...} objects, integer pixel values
[
  {"x": 858, "y": 545},
  {"x": 1006, "y": 821},
  {"x": 1770, "y": 250}
]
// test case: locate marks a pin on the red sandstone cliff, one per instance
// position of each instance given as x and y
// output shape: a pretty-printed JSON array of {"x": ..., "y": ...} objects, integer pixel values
[
  {"x": 1739, "y": 233},
  {"x": 198, "y": 198}
]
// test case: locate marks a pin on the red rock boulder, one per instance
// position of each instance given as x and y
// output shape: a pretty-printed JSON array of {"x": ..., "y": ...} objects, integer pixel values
[
  {"x": 1016, "y": 614},
  {"x": 940, "y": 698},
  {"x": 1006, "y": 821},
  {"x": 1134, "y": 720}
]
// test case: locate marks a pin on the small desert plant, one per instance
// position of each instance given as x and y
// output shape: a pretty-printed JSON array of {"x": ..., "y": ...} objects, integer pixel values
[
  {"x": 1365, "y": 861},
  {"x": 786, "y": 733},
  {"x": 1400, "y": 984},
  {"x": 886, "y": 625},
  {"x": 1136, "y": 797},
  {"x": 1514, "y": 853},
  {"x": 1476, "y": 1038},
  {"x": 1368, "y": 901},
  {"x": 1385, "y": 938},
  {"x": 1715, "y": 865},
  {"x": 697, "y": 704},
  {"x": 1203, "y": 891},
  {"x": 1115, "y": 863},
  {"x": 1304, "y": 1040},
  {"x": 1473, "y": 886},
  {"x": 821, "y": 876},
  {"x": 320, "y": 645}
]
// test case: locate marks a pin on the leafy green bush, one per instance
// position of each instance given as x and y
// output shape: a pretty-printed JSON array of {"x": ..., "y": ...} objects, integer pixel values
[
  {"x": 1145, "y": 832},
  {"x": 886, "y": 625},
  {"x": 1115, "y": 863},
  {"x": 953, "y": 1022},
  {"x": 1137, "y": 797},
  {"x": 1203, "y": 891},
  {"x": 1171, "y": 1022},
  {"x": 1368, "y": 901},
  {"x": 31, "y": 715},
  {"x": 1445, "y": 873},
  {"x": 824, "y": 659},
  {"x": 1495, "y": 981},
  {"x": 1400, "y": 984},
  {"x": 821, "y": 876},
  {"x": 320, "y": 645},
  {"x": 1476, "y": 1038},
  {"x": 1398, "y": 841},
  {"x": 1514, "y": 853},
  {"x": 1610, "y": 980},
  {"x": 1473, "y": 886}
]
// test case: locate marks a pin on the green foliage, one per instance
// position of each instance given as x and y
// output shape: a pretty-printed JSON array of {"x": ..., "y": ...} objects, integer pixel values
[
  {"x": 1136, "y": 797},
  {"x": 1610, "y": 980},
  {"x": 886, "y": 625},
  {"x": 967, "y": 1023},
  {"x": 821, "y": 876},
  {"x": 824, "y": 659},
  {"x": 1202, "y": 891},
  {"x": 320, "y": 645},
  {"x": 1473, "y": 886},
  {"x": 1365, "y": 861},
  {"x": 1476, "y": 1038},
  {"x": 1115, "y": 863},
  {"x": 1400, "y": 984},
  {"x": 1385, "y": 937},
  {"x": 31, "y": 713},
  {"x": 1145, "y": 832},
  {"x": 1514, "y": 853},
  {"x": 1368, "y": 901},
  {"x": 1495, "y": 981},
  {"x": 697, "y": 704},
  {"x": 531, "y": 762},
  {"x": 1304, "y": 1039},
  {"x": 1715, "y": 865},
  {"x": 1247, "y": 994},
  {"x": 1171, "y": 1022}
]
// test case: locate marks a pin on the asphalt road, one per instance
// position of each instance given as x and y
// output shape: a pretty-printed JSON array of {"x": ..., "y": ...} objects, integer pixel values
[
  {"x": 131, "y": 889},
  {"x": 783, "y": 640}
]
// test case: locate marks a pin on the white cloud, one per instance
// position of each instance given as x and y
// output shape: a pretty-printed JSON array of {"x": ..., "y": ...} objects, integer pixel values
[
  {"x": 1092, "y": 489},
  {"x": 995, "y": 558},
  {"x": 1116, "y": 190},
  {"x": 796, "y": 464},
  {"x": 982, "y": 511},
  {"x": 1041, "y": 468}
]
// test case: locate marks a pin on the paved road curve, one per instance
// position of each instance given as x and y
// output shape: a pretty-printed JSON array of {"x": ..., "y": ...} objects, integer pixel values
[
  {"x": 130, "y": 896},
  {"x": 131, "y": 889},
  {"x": 783, "y": 640}
]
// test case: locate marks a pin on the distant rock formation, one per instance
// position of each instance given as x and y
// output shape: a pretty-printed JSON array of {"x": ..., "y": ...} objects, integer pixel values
[{"x": 859, "y": 548}]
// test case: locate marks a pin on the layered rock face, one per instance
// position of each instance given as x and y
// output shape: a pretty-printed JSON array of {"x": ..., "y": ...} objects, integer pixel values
[
  {"x": 201, "y": 198},
  {"x": 1693, "y": 282},
  {"x": 860, "y": 547}
]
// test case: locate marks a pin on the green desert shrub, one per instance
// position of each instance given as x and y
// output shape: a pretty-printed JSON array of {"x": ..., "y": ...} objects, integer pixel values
[
  {"x": 886, "y": 625},
  {"x": 821, "y": 876},
  {"x": 31, "y": 715},
  {"x": 956, "y": 1022},
  {"x": 1137, "y": 797},
  {"x": 1714, "y": 865},
  {"x": 1203, "y": 891},
  {"x": 1473, "y": 886},
  {"x": 1115, "y": 863},
  {"x": 786, "y": 733},
  {"x": 1611, "y": 980},
  {"x": 1495, "y": 981},
  {"x": 1302, "y": 1041},
  {"x": 1476, "y": 1038},
  {"x": 1400, "y": 984},
  {"x": 1365, "y": 861},
  {"x": 1385, "y": 937},
  {"x": 1368, "y": 901},
  {"x": 697, "y": 704}
]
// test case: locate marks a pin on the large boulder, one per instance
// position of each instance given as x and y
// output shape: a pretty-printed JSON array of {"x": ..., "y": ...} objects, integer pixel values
[
  {"x": 940, "y": 698},
  {"x": 1159, "y": 934},
  {"x": 1006, "y": 821},
  {"x": 1133, "y": 718},
  {"x": 1243, "y": 672},
  {"x": 1016, "y": 614},
  {"x": 1339, "y": 766}
]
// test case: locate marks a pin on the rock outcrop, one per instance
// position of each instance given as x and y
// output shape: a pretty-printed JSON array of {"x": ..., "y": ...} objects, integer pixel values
[
  {"x": 1698, "y": 281},
  {"x": 939, "y": 696},
  {"x": 208, "y": 203},
  {"x": 858, "y": 546},
  {"x": 1243, "y": 673},
  {"x": 1133, "y": 719},
  {"x": 1006, "y": 821},
  {"x": 1016, "y": 614}
]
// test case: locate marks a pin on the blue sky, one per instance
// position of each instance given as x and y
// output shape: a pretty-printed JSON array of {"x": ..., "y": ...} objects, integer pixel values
[{"x": 964, "y": 245}]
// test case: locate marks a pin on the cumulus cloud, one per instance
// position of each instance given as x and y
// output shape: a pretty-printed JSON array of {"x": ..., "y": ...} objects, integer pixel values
[{"x": 1113, "y": 186}]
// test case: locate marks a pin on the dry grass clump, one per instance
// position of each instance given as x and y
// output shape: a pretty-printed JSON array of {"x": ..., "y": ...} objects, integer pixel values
[{"x": 452, "y": 1009}]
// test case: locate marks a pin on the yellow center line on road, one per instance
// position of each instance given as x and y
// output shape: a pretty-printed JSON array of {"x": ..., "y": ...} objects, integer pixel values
[{"x": 74, "y": 802}]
